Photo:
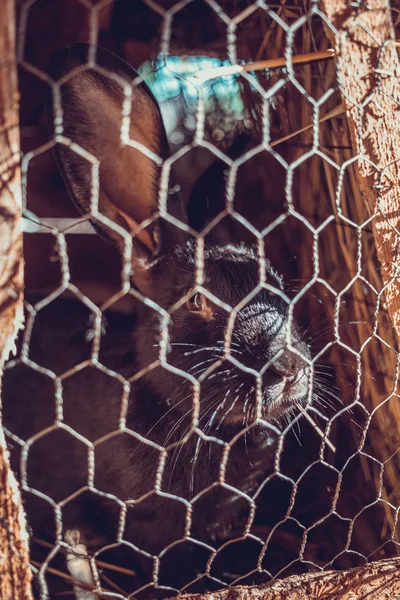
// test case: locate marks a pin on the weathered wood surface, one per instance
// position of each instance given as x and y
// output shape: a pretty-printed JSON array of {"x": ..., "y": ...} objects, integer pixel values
[
  {"x": 375, "y": 581},
  {"x": 368, "y": 74},
  {"x": 15, "y": 574}
]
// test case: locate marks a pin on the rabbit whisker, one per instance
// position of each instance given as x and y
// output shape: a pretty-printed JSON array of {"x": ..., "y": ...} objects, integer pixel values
[
  {"x": 202, "y": 369},
  {"x": 323, "y": 392},
  {"x": 318, "y": 401},
  {"x": 202, "y": 349},
  {"x": 186, "y": 344},
  {"x": 177, "y": 452},
  {"x": 164, "y": 415},
  {"x": 288, "y": 415},
  {"x": 194, "y": 462},
  {"x": 220, "y": 373},
  {"x": 178, "y": 423},
  {"x": 203, "y": 362},
  {"x": 246, "y": 402},
  {"x": 200, "y": 440},
  {"x": 322, "y": 388},
  {"x": 231, "y": 344},
  {"x": 175, "y": 457},
  {"x": 231, "y": 406},
  {"x": 246, "y": 422},
  {"x": 179, "y": 449},
  {"x": 219, "y": 406}
]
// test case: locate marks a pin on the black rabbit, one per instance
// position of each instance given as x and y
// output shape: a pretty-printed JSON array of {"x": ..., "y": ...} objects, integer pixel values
[{"x": 167, "y": 433}]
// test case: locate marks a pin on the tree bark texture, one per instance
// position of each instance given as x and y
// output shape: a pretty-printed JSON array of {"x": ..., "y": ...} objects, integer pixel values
[
  {"x": 368, "y": 76},
  {"x": 375, "y": 581},
  {"x": 15, "y": 574}
]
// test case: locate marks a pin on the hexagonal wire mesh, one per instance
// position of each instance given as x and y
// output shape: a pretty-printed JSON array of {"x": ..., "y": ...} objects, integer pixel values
[{"x": 296, "y": 508}]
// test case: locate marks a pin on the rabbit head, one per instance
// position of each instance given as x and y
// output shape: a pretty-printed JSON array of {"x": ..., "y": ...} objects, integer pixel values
[{"x": 113, "y": 153}]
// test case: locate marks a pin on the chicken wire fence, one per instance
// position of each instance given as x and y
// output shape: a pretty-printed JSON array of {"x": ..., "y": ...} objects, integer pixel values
[{"x": 326, "y": 496}]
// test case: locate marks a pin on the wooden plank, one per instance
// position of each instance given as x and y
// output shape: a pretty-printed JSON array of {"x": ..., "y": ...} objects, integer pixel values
[{"x": 15, "y": 574}]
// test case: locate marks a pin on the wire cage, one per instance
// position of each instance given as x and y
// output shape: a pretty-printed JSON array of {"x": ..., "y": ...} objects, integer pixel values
[{"x": 263, "y": 160}]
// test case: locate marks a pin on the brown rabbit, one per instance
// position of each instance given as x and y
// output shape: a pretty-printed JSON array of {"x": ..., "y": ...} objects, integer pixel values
[{"x": 155, "y": 443}]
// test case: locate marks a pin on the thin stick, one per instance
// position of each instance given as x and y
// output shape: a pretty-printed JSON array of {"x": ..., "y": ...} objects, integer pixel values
[
  {"x": 297, "y": 59},
  {"x": 68, "y": 578},
  {"x": 339, "y": 110},
  {"x": 259, "y": 65},
  {"x": 53, "y": 571},
  {"x": 116, "y": 568},
  {"x": 269, "y": 63},
  {"x": 113, "y": 585},
  {"x": 99, "y": 563},
  {"x": 74, "y": 581},
  {"x": 269, "y": 32},
  {"x": 317, "y": 429}
]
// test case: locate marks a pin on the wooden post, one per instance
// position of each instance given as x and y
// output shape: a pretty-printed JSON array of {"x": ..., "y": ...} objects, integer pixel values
[
  {"x": 368, "y": 75},
  {"x": 15, "y": 574}
]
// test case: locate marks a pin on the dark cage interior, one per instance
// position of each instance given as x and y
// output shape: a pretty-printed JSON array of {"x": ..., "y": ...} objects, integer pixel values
[{"x": 140, "y": 408}]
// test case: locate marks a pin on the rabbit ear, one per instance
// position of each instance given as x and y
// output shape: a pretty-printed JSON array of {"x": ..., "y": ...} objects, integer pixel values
[
  {"x": 208, "y": 198},
  {"x": 92, "y": 102}
]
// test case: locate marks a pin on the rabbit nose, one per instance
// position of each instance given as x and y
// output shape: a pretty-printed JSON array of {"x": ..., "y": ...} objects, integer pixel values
[
  {"x": 287, "y": 366},
  {"x": 273, "y": 376}
]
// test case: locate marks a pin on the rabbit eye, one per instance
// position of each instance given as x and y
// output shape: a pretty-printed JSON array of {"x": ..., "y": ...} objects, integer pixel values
[{"x": 195, "y": 302}]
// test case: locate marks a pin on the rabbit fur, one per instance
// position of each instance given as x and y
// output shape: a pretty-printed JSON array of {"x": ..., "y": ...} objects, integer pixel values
[{"x": 152, "y": 434}]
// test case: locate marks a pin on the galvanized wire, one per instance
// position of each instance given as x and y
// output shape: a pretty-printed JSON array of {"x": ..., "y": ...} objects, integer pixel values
[{"x": 60, "y": 231}]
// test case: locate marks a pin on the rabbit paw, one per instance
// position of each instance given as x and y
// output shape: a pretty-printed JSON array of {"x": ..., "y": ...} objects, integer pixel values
[{"x": 79, "y": 566}]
